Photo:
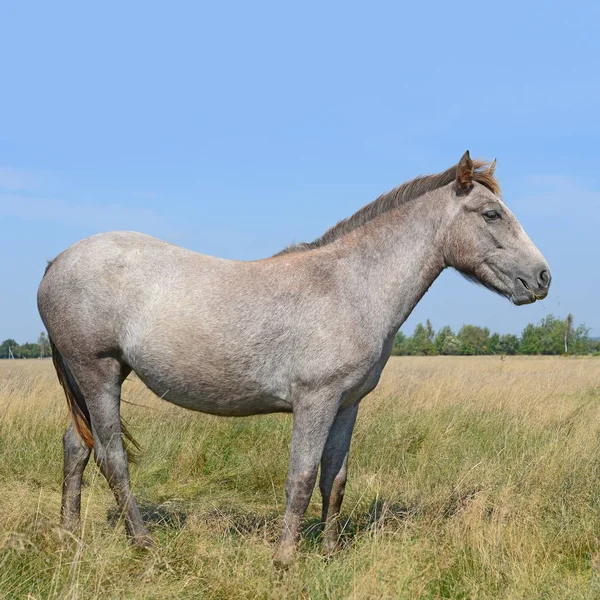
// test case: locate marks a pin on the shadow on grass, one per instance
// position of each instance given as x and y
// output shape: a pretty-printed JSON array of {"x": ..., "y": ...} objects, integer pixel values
[
  {"x": 379, "y": 516},
  {"x": 156, "y": 516}
]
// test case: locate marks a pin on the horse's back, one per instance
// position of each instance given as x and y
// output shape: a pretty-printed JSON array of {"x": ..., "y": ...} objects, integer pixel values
[{"x": 102, "y": 285}]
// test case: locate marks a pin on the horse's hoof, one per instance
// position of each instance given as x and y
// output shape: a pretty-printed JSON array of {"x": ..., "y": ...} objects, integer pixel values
[
  {"x": 330, "y": 548},
  {"x": 71, "y": 526},
  {"x": 284, "y": 557},
  {"x": 143, "y": 542},
  {"x": 66, "y": 535}
]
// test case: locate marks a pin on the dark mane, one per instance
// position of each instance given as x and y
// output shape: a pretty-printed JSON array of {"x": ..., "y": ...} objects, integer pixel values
[
  {"x": 48, "y": 266},
  {"x": 483, "y": 173}
]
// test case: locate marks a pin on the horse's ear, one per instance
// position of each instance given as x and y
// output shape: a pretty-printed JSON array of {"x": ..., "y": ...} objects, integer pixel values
[
  {"x": 492, "y": 167},
  {"x": 464, "y": 174}
]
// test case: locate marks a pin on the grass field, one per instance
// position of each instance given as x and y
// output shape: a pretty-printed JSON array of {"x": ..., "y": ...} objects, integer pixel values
[{"x": 469, "y": 478}]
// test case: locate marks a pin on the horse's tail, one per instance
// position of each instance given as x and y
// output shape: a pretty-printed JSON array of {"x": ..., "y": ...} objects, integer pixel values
[{"x": 78, "y": 407}]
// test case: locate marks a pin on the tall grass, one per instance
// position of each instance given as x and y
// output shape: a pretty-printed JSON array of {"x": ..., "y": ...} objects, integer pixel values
[{"x": 469, "y": 478}]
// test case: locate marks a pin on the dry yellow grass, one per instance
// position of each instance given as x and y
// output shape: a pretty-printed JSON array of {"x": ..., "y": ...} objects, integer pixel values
[{"x": 469, "y": 478}]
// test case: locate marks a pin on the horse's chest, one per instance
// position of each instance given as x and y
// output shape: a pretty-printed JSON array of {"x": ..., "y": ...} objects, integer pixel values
[{"x": 367, "y": 385}]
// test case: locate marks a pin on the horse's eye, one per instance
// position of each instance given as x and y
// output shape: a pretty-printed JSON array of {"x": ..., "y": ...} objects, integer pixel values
[{"x": 491, "y": 215}]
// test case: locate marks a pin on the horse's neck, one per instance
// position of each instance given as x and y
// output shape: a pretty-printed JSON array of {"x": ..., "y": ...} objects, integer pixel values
[{"x": 395, "y": 259}]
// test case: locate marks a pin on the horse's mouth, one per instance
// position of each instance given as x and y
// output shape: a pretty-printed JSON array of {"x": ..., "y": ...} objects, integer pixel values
[
  {"x": 523, "y": 294},
  {"x": 524, "y": 283}
]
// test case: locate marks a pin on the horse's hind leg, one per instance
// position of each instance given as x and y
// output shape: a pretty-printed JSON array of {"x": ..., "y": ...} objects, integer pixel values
[
  {"x": 76, "y": 456},
  {"x": 100, "y": 381}
]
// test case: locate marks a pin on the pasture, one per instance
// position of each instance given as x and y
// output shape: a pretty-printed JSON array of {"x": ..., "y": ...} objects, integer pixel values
[{"x": 468, "y": 478}]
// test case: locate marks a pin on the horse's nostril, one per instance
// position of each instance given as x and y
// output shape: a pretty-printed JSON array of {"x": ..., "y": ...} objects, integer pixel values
[{"x": 544, "y": 278}]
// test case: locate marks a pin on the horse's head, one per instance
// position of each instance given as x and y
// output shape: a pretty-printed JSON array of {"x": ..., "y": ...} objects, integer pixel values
[{"x": 486, "y": 243}]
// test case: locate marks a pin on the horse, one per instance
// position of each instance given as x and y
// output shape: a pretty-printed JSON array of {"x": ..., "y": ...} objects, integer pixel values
[{"x": 307, "y": 331}]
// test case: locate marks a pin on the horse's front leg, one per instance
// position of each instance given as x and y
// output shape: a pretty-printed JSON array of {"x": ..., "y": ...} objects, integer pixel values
[
  {"x": 313, "y": 417},
  {"x": 334, "y": 473}
]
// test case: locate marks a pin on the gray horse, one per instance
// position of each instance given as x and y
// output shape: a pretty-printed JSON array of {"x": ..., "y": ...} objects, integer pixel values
[{"x": 306, "y": 331}]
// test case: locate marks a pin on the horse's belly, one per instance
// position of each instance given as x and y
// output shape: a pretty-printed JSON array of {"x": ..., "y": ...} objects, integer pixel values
[
  {"x": 230, "y": 407},
  {"x": 208, "y": 398}
]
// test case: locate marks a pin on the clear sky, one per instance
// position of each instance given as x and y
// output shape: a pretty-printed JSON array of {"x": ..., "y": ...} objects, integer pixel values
[{"x": 236, "y": 128}]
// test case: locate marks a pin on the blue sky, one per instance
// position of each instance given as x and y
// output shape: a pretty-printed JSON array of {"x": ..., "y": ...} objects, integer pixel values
[{"x": 236, "y": 128}]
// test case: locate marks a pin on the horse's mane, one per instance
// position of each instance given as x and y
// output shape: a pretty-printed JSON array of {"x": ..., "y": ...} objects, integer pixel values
[{"x": 482, "y": 173}]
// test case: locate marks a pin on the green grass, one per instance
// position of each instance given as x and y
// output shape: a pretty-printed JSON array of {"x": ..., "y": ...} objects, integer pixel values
[{"x": 469, "y": 478}]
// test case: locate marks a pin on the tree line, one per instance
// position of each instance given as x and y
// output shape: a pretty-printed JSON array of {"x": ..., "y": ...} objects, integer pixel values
[
  {"x": 551, "y": 335},
  {"x": 11, "y": 349}
]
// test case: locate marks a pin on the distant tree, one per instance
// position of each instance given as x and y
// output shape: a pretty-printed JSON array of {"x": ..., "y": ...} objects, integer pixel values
[
  {"x": 474, "y": 340},
  {"x": 551, "y": 335},
  {"x": 44, "y": 344},
  {"x": 400, "y": 346},
  {"x": 493, "y": 344},
  {"x": 530, "y": 340},
  {"x": 440, "y": 338},
  {"x": 508, "y": 344},
  {"x": 580, "y": 340},
  {"x": 28, "y": 350},
  {"x": 555, "y": 336},
  {"x": 568, "y": 331},
  {"x": 8, "y": 346},
  {"x": 421, "y": 342},
  {"x": 451, "y": 346},
  {"x": 430, "y": 330}
]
